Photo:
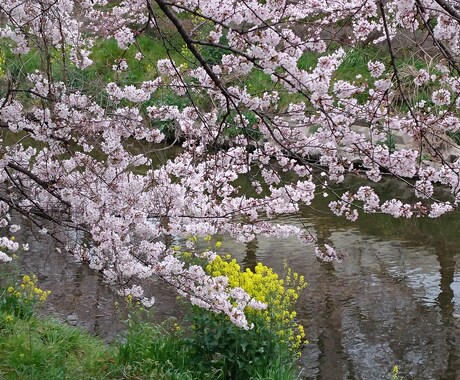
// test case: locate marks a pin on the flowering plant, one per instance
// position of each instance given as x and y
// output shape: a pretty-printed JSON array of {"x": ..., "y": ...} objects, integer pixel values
[
  {"x": 20, "y": 299},
  {"x": 275, "y": 337}
]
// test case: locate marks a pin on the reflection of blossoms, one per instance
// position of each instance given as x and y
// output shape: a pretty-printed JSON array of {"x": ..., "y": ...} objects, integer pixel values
[{"x": 329, "y": 254}]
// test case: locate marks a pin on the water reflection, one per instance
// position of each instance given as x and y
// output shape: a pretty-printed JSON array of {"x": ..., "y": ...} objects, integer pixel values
[
  {"x": 78, "y": 294},
  {"x": 445, "y": 302},
  {"x": 329, "y": 341},
  {"x": 250, "y": 257}
]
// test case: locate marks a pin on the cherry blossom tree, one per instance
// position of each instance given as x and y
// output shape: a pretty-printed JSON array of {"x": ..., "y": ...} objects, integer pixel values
[{"x": 69, "y": 158}]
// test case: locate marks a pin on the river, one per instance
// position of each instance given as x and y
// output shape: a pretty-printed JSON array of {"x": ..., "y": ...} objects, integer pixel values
[{"x": 395, "y": 300}]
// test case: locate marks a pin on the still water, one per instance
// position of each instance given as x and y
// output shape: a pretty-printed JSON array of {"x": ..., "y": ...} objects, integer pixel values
[{"x": 395, "y": 300}]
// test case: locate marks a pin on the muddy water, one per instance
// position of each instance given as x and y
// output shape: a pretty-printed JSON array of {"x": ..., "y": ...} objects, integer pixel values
[{"x": 394, "y": 301}]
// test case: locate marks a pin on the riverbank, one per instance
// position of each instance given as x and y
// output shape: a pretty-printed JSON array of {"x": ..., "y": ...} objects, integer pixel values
[
  {"x": 202, "y": 345},
  {"x": 44, "y": 348}
]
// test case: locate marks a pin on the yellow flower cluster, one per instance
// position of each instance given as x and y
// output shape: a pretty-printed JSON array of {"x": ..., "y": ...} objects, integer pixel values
[
  {"x": 28, "y": 290},
  {"x": 265, "y": 285}
]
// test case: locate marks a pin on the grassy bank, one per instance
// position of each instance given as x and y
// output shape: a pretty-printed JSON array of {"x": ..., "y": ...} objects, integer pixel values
[
  {"x": 37, "y": 348},
  {"x": 34, "y": 348},
  {"x": 205, "y": 346},
  {"x": 43, "y": 348}
]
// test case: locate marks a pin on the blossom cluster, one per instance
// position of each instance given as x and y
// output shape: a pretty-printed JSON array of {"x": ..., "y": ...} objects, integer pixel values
[{"x": 78, "y": 157}]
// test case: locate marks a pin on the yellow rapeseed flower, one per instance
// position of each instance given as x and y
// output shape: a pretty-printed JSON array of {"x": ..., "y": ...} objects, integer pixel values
[{"x": 264, "y": 285}]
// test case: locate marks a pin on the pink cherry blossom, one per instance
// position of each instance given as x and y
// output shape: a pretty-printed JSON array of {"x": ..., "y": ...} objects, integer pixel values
[{"x": 259, "y": 97}]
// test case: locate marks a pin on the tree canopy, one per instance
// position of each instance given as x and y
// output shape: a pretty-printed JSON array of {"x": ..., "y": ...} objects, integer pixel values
[{"x": 288, "y": 96}]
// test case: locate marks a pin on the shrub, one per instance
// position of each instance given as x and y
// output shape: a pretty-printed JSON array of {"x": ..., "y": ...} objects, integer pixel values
[{"x": 271, "y": 346}]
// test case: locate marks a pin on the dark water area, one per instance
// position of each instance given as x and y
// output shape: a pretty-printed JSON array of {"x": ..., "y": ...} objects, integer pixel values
[{"x": 395, "y": 300}]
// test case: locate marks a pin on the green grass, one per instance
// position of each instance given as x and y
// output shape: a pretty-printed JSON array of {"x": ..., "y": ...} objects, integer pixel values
[
  {"x": 106, "y": 53},
  {"x": 45, "y": 349},
  {"x": 153, "y": 352},
  {"x": 36, "y": 348}
]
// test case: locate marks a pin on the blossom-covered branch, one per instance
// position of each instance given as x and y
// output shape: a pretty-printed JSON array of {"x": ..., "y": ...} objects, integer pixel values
[{"x": 263, "y": 92}]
